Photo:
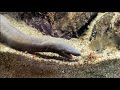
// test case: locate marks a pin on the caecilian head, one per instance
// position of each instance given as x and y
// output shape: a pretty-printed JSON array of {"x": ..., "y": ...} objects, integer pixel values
[{"x": 67, "y": 50}]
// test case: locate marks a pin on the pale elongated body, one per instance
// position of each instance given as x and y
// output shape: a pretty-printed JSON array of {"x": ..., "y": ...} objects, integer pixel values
[{"x": 20, "y": 41}]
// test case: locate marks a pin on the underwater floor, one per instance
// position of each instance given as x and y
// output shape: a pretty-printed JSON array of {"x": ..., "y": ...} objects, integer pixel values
[{"x": 90, "y": 64}]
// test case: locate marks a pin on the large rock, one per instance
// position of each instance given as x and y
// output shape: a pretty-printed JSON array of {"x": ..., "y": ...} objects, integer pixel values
[
  {"x": 72, "y": 21},
  {"x": 105, "y": 32},
  {"x": 57, "y": 24}
]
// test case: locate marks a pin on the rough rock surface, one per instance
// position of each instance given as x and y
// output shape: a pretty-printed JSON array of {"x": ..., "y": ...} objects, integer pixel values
[
  {"x": 57, "y": 24},
  {"x": 72, "y": 21},
  {"x": 98, "y": 46},
  {"x": 106, "y": 32}
]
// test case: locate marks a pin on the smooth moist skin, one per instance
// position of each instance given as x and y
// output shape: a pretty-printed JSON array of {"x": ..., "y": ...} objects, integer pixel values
[{"x": 12, "y": 37}]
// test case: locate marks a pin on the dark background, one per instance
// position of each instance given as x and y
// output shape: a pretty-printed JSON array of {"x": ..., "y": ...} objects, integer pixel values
[{"x": 60, "y": 5}]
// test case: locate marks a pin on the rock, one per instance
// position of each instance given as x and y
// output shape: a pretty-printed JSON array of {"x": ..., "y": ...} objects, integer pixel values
[
  {"x": 116, "y": 27},
  {"x": 72, "y": 21},
  {"x": 103, "y": 33},
  {"x": 58, "y": 24}
]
